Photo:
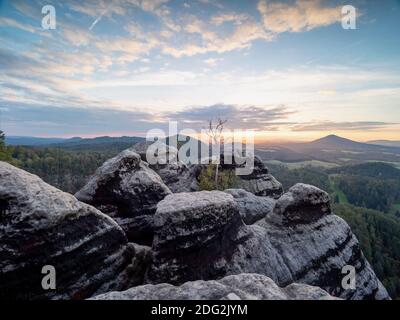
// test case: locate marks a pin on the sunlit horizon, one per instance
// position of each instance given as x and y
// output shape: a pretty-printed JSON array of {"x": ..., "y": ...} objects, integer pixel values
[{"x": 260, "y": 138}]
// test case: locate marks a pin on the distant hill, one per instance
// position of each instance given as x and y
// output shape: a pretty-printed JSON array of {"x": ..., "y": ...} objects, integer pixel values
[
  {"x": 284, "y": 154},
  {"x": 333, "y": 141},
  {"x": 331, "y": 148},
  {"x": 338, "y": 143},
  {"x": 31, "y": 141},
  {"x": 98, "y": 143},
  {"x": 387, "y": 143},
  {"x": 76, "y": 143}
]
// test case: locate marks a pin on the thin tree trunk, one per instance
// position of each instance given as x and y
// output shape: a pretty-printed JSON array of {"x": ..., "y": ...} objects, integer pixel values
[{"x": 216, "y": 176}]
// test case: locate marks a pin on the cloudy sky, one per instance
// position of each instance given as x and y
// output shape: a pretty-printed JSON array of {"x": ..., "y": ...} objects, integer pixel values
[{"x": 286, "y": 69}]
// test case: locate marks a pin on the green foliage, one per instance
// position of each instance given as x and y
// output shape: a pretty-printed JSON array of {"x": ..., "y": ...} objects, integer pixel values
[
  {"x": 309, "y": 175},
  {"x": 226, "y": 179},
  {"x": 2, "y": 143},
  {"x": 371, "y": 185},
  {"x": 66, "y": 170},
  {"x": 373, "y": 193},
  {"x": 374, "y": 187},
  {"x": 379, "y": 236},
  {"x": 5, "y": 152},
  {"x": 378, "y": 170}
]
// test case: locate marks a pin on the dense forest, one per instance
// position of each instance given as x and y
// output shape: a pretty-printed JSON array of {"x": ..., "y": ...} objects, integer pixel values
[
  {"x": 310, "y": 175},
  {"x": 379, "y": 236},
  {"x": 355, "y": 191},
  {"x": 64, "y": 169},
  {"x": 370, "y": 185},
  {"x": 369, "y": 192},
  {"x": 67, "y": 169}
]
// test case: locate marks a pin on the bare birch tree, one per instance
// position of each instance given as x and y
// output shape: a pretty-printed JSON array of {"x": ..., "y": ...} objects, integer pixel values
[{"x": 214, "y": 131}]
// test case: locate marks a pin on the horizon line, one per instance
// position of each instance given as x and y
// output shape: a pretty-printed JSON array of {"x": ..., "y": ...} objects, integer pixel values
[{"x": 257, "y": 141}]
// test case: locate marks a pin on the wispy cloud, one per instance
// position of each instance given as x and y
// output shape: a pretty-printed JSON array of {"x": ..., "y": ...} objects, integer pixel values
[
  {"x": 239, "y": 117},
  {"x": 164, "y": 55},
  {"x": 212, "y": 62},
  {"x": 303, "y": 15},
  {"x": 4, "y": 21},
  {"x": 70, "y": 121},
  {"x": 229, "y": 17}
]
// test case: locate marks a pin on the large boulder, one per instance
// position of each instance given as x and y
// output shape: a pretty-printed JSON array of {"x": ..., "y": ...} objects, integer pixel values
[
  {"x": 41, "y": 225},
  {"x": 302, "y": 241},
  {"x": 302, "y": 204},
  {"x": 201, "y": 236},
  {"x": 236, "y": 287},
  {"x": 260, "y": 181},
  {"x": 179, "y": 177},
  {"x": 126, "y": 189},
  {"x": 195, "y": 234},
  {"x": 252, "y": 208}
]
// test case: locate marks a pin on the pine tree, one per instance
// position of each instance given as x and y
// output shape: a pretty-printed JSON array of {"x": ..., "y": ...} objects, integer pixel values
[
  {"x": 2, "y": 143},
  {"x": 2, "y": 137},
  {"x": 5, "y": 154}
]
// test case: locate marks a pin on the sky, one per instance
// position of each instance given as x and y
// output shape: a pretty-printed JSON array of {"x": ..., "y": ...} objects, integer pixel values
[{"x": 286, "y": 69}]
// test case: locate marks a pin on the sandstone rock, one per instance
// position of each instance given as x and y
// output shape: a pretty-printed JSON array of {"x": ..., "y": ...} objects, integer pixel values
[
  {"x": 302, "y": 241},
  {"x": 126, "y": 189},
  {"x": 201, "y": 236},
  {"x": 259, "y": 182},
  {"x": 41, "y": 225},
  {"x": 136, "y": 271},
  {"x": 158, "y": 149},
  {"x": 302, "y": 204},
  {"x": 178, "y": 176},
  {"x": 195, "y": 234},
  {"x": 251, "y": 207},
  {"x": 236, "y": 287},
  {"x": 263, "y": 185}
]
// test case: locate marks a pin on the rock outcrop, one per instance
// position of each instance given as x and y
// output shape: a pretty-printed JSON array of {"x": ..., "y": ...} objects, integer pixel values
[
  {"x": 126, "y": 189},
  {"x": 231, "y": 244},
  {"x": 178, "y": 176},
  {"x": 195, "y": 233},
  {"x": 302, "y": 241},
  {"x": 237, "y": 287},
  {"x": 301, "y": 204},
  {"x": 41, "y": 225},
  {"x": 252, "y": 208},
  {"x": 201, "y": 236},
  {"x": 260, "y": 181}
]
